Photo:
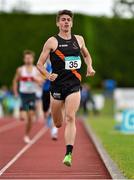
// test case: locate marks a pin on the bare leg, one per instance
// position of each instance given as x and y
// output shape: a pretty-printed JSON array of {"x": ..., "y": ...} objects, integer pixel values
[
  {"x": 39, "y": 111},
  {"x": 28, "y": 118},
  {"x": 72, "y": 103},
  {"x": 31, "y": 116},
  {"x": 23, "y": 115},
  {"x": 56, "y": 110}
]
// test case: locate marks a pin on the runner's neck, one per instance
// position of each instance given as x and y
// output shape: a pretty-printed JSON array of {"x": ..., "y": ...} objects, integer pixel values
[
  {"x": 64, "y": 35},
  {"x": 29, "y": 67}
]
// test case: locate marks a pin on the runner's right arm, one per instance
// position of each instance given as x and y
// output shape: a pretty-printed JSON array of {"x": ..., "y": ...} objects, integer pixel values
[{"x": 48, "y": 46}]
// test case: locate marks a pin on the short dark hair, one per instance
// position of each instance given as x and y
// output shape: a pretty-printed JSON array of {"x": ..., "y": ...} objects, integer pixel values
[
  {"x": 64, "y": 12},
  {"x": 27, "y": 51}
]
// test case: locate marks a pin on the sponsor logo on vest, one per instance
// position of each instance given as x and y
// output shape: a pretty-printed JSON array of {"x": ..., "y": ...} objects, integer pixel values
[
  {"x": 63, "y": 45},
  {"x": 57, "y": 95}
]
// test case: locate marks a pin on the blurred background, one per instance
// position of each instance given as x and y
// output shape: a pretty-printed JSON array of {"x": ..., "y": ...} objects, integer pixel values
[
  {"x": 107, "y": 26},
  {"x": 108, "y": 29}
]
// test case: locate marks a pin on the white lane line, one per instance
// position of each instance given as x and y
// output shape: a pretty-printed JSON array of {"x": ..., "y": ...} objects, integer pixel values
[
  {"x": 24, "y": 149},
  {"x": 9, "y": 126}
]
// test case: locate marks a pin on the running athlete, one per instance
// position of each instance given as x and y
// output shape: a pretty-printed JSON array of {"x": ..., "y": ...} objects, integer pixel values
[
  {"x": 46, "y": 104},
  {"x": 64, "y": 50},
  {"x": 27, "y": 76}
]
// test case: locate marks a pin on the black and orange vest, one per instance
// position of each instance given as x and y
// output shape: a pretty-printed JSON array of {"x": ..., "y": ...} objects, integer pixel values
[{"x": 66, "y": 50}]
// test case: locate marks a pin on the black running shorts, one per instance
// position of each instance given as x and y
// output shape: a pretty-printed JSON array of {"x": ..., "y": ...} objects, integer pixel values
[
  {"x": 27, "y": 101},
  {"x": 60, "y": 93}
]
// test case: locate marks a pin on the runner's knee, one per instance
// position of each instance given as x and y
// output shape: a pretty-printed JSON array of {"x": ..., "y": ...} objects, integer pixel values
[
  {"x": 57, "y": 123},
  {"x": 70, "y": 117}
]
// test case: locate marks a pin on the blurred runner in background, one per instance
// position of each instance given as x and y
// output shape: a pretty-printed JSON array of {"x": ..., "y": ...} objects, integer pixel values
[{"x": 24, "y": 84}]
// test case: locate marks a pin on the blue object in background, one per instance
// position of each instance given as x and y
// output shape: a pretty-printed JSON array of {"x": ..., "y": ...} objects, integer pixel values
[
  {"x": 109, "y": 86},
  {"x": 46, "y": 84},
  {"x": 127, "y": 125},
  {"x": 49, "y": 121}
]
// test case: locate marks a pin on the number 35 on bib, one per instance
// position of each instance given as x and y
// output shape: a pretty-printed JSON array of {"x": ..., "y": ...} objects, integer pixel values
[{"x": 72, "y": 62}]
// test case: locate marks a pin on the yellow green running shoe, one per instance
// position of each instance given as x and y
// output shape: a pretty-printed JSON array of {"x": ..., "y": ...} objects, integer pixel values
[{"x": 68, "y": 160}]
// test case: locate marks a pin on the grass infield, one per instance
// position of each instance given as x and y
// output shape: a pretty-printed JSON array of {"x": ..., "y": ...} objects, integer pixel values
[{"x": 119, "y": 146}]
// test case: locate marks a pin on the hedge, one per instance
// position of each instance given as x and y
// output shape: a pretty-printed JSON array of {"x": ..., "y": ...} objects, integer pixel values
[{"x": 109, "y": 40}]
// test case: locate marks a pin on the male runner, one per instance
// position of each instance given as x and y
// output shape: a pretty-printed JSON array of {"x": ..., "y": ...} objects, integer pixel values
[
  {"x": 27, "y": 76},
  {"x": 64, "y": 50}
]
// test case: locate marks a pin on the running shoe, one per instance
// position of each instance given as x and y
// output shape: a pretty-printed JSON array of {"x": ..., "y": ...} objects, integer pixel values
[
  {"x": 27, "y": 139},
  {"x": 54, "y": 133},
  {"x": 54, "y": 137},
  {"x": 68, "y": 160}
]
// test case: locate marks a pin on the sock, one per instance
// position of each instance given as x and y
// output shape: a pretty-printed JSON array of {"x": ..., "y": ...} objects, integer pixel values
[{"x": 69, "y": 149}]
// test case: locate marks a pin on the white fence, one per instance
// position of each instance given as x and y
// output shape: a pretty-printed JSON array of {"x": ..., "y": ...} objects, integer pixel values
[
  {"x": 123, "y": 100},
  {"x": 99, "y": 101}
]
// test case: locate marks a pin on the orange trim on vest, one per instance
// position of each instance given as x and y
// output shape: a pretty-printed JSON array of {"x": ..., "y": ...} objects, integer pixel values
[
  {"x": 60, "y": 54},
  {"x": 76, "y": 74}
]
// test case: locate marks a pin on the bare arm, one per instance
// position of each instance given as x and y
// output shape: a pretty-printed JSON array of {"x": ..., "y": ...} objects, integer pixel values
[
  {"x": 86, "y": 56},
  {"x": 15, "y": 82},
  {"x": 48, "y": 46}
]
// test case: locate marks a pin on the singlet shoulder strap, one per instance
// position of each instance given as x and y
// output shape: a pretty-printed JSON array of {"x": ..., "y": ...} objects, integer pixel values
[
  {"x": 22, "y": 69},
  {"x": 57, "y": 37},
  {"x": 75, "y": 39}
]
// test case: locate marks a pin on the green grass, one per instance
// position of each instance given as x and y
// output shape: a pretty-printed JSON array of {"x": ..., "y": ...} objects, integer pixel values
[{"x": 119, "y": 146}]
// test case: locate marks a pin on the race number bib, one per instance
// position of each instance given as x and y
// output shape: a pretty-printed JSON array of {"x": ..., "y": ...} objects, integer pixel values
[
  {"x": 72, "y": 62},
  {"x": 29, "y": 85}
]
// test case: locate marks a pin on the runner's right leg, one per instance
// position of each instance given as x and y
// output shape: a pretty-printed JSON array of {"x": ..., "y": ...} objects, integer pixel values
[
  {"x": 31, "y": 118},
  {"x": 29, "y": 122},
  {"x": 24, "y": 117},
  {"x": 56, "y": 110}
]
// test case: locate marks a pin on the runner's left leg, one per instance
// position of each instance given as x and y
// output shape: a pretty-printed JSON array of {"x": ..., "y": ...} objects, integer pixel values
[{"x": 72, "y": 103}]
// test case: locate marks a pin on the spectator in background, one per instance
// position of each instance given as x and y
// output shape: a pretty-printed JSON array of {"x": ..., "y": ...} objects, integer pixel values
[
  {"x": 3, "y": 93},
  {"x": 87, "y": 97},
  {"x": 6, "y": 99}
]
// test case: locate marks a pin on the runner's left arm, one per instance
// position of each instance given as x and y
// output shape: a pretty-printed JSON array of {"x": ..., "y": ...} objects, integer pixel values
[{"x": 87, "y": 58}]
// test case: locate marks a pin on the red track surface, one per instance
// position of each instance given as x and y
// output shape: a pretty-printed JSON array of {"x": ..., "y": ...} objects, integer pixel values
[
  {"x": 4, "y": 121},
  {"x": 43, "y": 160}
]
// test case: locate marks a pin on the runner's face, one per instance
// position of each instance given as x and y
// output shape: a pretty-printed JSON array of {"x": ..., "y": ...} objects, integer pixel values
[
  {"x": 28, "y": 59},
  {"x": 65, "y": 23}
]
